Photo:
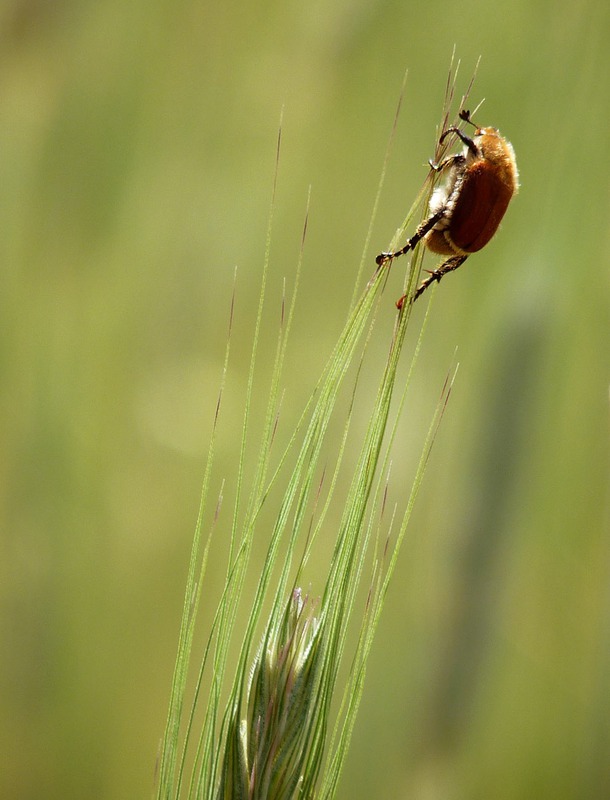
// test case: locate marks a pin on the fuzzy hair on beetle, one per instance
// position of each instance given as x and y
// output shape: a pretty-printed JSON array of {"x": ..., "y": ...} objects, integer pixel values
[{"x": 466, "y": 210}]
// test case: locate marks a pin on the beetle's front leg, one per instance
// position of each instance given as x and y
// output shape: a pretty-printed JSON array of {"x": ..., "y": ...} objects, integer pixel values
[{"x": 450, "y": 161}]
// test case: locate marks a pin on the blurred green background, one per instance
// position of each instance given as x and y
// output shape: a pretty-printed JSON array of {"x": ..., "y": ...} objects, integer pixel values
[{"x": 137, "y": 147}]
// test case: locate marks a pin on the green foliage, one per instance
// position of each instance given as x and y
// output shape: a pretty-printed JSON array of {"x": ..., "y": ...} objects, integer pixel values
[
  {"x": 136, "y": 148},
  {"x": 278, "y": 749}
]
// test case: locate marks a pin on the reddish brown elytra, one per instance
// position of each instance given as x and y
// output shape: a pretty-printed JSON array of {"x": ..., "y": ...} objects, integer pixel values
[{"x": 466, "y": 211}]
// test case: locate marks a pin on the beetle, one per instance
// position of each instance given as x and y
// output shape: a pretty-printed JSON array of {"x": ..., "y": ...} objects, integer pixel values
[{"x": 466, "y": 211}]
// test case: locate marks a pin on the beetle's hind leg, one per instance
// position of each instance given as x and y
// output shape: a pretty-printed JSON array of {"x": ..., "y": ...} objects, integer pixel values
[
  {"x": 427, "y": 224},
  {"x": 411, "y": 243},
  {"x": 435, "y": 275}
]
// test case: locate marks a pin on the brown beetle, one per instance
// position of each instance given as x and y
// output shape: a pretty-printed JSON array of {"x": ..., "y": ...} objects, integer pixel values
[{"x": 467, "y": 209}]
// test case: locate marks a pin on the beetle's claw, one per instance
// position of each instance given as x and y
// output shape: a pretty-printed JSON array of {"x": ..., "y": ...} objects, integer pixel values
[{"x": 382, "y": 258}]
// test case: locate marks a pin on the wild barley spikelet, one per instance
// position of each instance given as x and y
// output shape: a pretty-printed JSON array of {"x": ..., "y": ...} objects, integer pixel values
[{"x": 265, "y": 754}]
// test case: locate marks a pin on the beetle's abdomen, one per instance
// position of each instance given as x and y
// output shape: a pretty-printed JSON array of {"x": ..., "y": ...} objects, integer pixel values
[{"x": 483, "y": 200}]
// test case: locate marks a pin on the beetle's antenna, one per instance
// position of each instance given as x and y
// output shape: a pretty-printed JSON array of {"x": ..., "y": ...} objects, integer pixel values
[{"x": 465, "y": 115}]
